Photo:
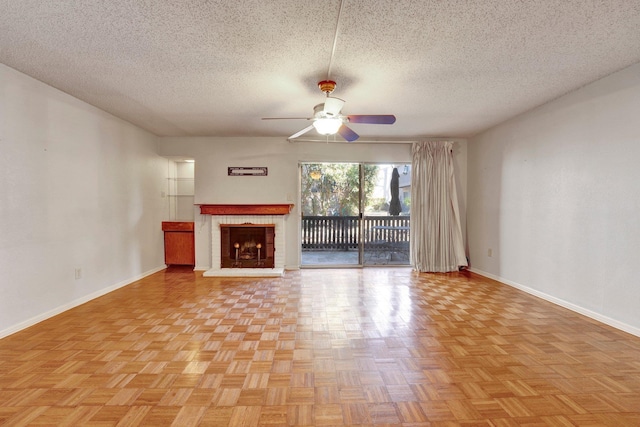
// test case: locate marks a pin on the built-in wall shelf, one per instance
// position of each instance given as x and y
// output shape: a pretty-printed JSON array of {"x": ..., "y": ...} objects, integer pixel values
[
  {"x": 181, "y": 187},
  {"x": 181, "y": 193}
]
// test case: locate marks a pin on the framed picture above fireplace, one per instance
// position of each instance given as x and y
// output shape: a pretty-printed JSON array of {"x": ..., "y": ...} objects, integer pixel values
[{"x": 247, "y": 171}]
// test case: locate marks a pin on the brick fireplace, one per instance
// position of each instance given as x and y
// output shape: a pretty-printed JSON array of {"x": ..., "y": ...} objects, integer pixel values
[{"x": 236, "y": 233}]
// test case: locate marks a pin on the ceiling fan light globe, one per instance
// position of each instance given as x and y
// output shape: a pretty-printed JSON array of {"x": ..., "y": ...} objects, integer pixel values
[{"x": 327, "y": 126}]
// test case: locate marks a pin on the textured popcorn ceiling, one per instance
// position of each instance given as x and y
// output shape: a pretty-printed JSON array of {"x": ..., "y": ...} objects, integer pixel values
[{"x": 215, "y": 67}]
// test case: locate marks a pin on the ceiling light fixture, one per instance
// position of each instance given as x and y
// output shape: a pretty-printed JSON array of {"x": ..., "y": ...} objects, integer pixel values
[{"x": 327, "y": 125}]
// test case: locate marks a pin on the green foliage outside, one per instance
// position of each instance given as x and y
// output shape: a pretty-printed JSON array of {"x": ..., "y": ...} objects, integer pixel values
[
  {"x": 378, "y": 204},
  {"x": 331, "y": 189},
  {"x": 406, "y": 204}
]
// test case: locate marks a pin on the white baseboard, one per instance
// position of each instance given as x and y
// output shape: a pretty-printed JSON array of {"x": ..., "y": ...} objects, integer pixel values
[
  {"x": 562, "y": 303},
  {"x": 44, "y": 316}
]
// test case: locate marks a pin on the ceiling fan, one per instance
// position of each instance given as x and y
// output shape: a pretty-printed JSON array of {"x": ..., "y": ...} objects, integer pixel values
[{"x": 328, "y": 119}]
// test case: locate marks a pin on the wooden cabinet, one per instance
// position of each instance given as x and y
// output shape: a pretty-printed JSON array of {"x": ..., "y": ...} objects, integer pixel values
[{"x": 179, "y": 245}]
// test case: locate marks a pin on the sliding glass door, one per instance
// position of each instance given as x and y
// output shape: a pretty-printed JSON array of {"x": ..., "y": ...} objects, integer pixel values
[
  {"x": 385, "y": 223},
  {"x": 354, "y": 214},
  {"x": 330, "y": 205}
]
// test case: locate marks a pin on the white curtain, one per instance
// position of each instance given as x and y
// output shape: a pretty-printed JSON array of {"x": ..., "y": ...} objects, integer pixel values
[{"x": 436, "y": 235}]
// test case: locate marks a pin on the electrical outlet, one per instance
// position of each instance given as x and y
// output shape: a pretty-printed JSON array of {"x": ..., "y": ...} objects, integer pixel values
[
  {"x": 78, "y": 273},
  {"x": 489, "y": 252}
]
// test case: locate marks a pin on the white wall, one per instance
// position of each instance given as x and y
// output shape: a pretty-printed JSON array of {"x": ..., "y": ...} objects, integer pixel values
[
  {"x": 555, "y": 193},
  {"x": 80, "y": 189},
  {"x": 212, "y": 184}
]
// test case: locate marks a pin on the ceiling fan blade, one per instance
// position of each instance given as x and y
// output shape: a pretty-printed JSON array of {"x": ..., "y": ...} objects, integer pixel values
[
  {"x": 374, "y": 120},
  {"x": 332, "y": 106},
  {"x": 347, "y": 133},
  {"x": 286, "y": 118},
  {"x": 303, "y": 131}
]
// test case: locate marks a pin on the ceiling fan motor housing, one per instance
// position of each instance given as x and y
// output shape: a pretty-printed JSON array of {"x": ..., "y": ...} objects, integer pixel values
[
  {"x": 320, "y": 113},
  {"x": 327, "y": 86}
]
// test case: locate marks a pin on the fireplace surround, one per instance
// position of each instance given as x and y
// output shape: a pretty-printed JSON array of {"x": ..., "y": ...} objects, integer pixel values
[{"x": 227, "y": 218}]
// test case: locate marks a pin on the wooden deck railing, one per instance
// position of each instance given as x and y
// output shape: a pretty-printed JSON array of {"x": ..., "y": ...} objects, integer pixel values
[{"x": 332, "y": 233}]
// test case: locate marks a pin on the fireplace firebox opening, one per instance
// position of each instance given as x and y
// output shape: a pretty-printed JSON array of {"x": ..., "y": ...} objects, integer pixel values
[{"x": 247, "y": 245}]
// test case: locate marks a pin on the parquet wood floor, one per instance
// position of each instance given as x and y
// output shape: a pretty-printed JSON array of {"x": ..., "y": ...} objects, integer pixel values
[{"x": 371, "y": 347}]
